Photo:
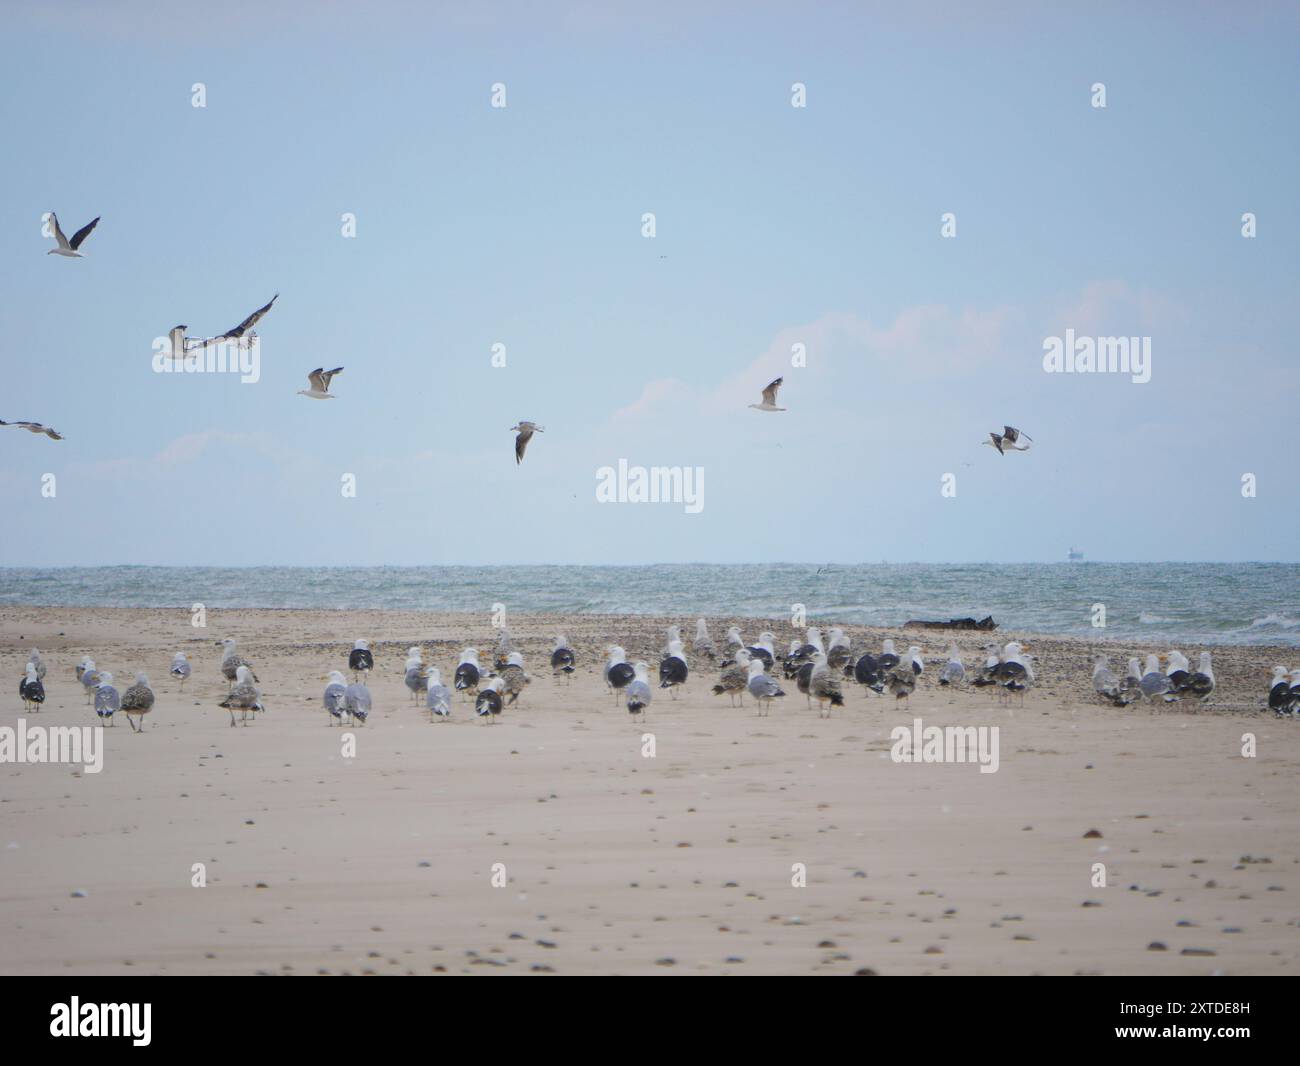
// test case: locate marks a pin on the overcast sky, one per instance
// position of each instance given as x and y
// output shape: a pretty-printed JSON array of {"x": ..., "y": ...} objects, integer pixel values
[{"x": 776, "y": 226}]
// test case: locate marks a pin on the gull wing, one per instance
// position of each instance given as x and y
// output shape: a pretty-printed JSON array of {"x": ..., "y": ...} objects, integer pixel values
[{"x": 84, "y": 232}]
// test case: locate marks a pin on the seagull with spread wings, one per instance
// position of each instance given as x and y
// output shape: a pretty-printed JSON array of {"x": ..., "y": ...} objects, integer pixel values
[
  {"x": 320, "y": 379},
  {"x": 69, "y": 248},
  {"x": 769, "y": 398},
  {"x": 245, "y": 328},
  {"x": 35, "y": 427},
  {"x": 525, "y": 431},
  {"x": 1008, "y": 439}
]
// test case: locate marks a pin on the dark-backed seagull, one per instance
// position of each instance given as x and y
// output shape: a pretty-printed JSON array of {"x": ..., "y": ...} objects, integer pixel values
[
  {"x": 1008, "y": 440},
  {"x": 67, "y": 247},
  {"x": 1201, "y": 681},
  {"x": 488, "y": 703},
  {"x": 244, "y": 329},
  {"x": 31, "y": 689},
  {"x": 562, "y": 657},
  {"x": 673, "y": 670}
]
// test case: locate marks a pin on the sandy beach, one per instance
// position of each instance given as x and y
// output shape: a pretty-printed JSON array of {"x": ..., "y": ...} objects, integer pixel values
[{"x": 618, "y": 863}]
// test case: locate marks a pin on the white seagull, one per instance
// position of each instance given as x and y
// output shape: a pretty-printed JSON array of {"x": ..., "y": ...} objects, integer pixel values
[
  {"x": 320, "y": 379},
  {"x": 525, "y": 431},
  {"x": 769, "y": 398},
  {"x": 67, "y": 247}
]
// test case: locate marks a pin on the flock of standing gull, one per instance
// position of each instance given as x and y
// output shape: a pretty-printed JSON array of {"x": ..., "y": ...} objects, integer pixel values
[{"x": 818, "y": 666}]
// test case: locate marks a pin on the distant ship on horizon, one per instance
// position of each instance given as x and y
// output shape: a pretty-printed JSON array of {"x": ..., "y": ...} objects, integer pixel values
[{"x": 1075, "y": 555}]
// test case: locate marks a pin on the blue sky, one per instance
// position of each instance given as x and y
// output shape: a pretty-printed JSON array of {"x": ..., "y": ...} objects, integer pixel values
[{"x": 775, "y": 226}]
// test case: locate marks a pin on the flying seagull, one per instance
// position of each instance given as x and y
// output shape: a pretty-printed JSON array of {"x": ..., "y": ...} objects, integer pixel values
[
  {"x": 525, "y": 431},
  {"x": 244, "y": 328},
  {"x": 35, "y": 427},
  {"x": 1009, "y": 438},
  {"x": 320, "y": 379},
  {"x": 67, "y": 247},
  {"x": 769, "y": 398}
]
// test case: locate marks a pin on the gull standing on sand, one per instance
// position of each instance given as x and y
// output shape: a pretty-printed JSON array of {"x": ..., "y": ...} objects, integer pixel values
[
  {"x": 1179, "y": 671},
  {"x": 30, "y": 688},
  {"x": 673, "y": 670},
  {"x": 867, "y": 672},
  {"x": 1014, "y": 672},
  {"x": 703, "y": 643},
  {"x": 762, "y": 688},
  {"x": 513, "y": 678},
  {"x": 1008, "y": 440},
  {"x": 638, "y": 689},
  {"x": 839, "y": 651},
  {"x": 108, "y": 701},
  {"x": 1104, "y": 681},
  {"x": 244, "y": 696},
  {"x": 34, "y": 658},
  {"x": 467, "y": 672},
  {"x": 320, "y": 379},
  {"x": 1200, "y": 683},
  {"x": 734, "y": 641},
  {"x": 335, "y": 697},
  {"x": 488, "y": 703},
  {"x": 1154, "y": 682},
  {"x": 230, "y": 662},
  {"x": 70, "y": 248},
  {"x": 769, "y": 397},
  {"x": 414, "y": 677},
  {"x": 562, "y": 659},
  {"x": 1279, "y": 692},
  {"x": 824, "y": 686},
  {"x": 618, "y": 671},
  {"x": 180, "y": 668},
  {"x": 360, "y": 659},
  {"x": 671, "y": 633},
  {"x": 735, "y": 676},
  {"x": 915, "y": 661},
  {"x": 357, "y": 702},
  {"x": 953, "y": 673},
  {"x": 437, "y": 696},
  {"x": 888, "y": 658},
  {"x": 89, "y": 677},
  {"x": 137, "y": 700},
  {"x": 765, "y": 649},
  {"x": 901, "y": 682},
  {"x": 525, "y": 431}
]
